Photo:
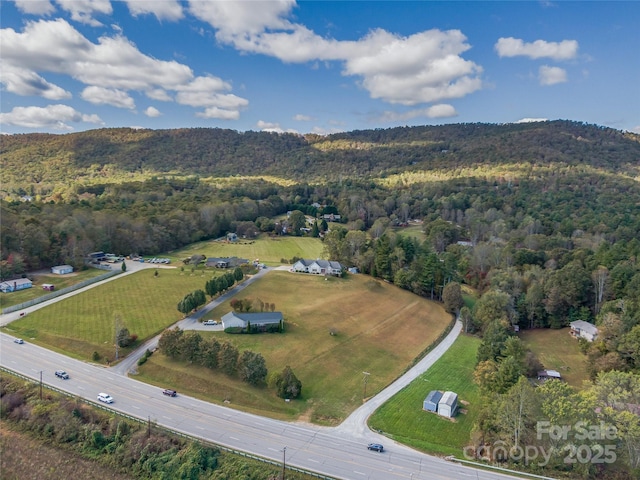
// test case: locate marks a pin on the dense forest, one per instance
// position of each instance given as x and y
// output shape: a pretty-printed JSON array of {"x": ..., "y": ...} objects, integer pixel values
[{"x": 541, "y": 219}]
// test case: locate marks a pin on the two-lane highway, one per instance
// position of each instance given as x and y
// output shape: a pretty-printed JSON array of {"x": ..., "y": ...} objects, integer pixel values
[{"x": 331, "y": 451}]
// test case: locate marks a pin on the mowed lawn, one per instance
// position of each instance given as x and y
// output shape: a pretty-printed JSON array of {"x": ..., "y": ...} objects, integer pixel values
[
  {"x": 558, "y": 350},
  {"x": 269, "y": 250},
  {"x": 379, "y": 329},
  {"x": 403, "y": 418},
  {"x": 85, "y": 323},
  {"x": 59, "y": 281}
]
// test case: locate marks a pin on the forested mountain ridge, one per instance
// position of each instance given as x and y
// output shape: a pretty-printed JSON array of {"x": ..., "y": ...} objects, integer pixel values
[{"x": 40, "y": 163}]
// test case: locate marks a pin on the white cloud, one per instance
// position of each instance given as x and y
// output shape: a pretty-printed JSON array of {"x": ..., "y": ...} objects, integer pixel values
[
  {"x": 238, "y": 18},
  {"x": 164, "y": 10},
  {"x": 422, "y": 68},
  {"x": 219, "y": 113},
  {"x": 302, "y": 118},
  {"x": 551, "y": 75},
  {"x": 110, "y": 69},
  {"x": 108, "y": 96},
  {"x": 152, "y": 112},
  {"x": 27, "y": 82},
  {"x": 531, "y": 120},
  {"x": 35, "y": 7},
  {"x": 158, "y": 94},
  {"x": 442, "y": 110},
  {"x": 208, "y": 92},
  {"x": 83, "y": 10},
  {"x": 52, "y": 116},
  {"x": 514, "y": 47},
  {"x": 273, "y": 127}
]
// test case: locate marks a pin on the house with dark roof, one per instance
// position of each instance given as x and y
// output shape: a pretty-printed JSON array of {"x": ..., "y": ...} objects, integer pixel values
[
  {"x": 225, "y": 262},
  {"x": 318, "y": 267},
  {"x": 234, "y": 322}
]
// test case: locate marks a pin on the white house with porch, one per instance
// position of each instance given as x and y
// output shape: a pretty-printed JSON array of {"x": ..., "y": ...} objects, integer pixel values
[{"x": 318, "y": 267}]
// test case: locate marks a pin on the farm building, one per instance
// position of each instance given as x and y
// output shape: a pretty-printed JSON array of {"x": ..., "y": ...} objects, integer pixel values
[
  {"x": 549, "y": 374},
  {"x": 582, "y": 329},
  {"x": 317, "y": 267},
  {"x": 430, "y": 403},
  {"x": 225, "y": 262},
  {"x": 62, "y": 269},
  {"x": 255, "y": 322},
  {"x": 15, "y": 285},
  {"x": 448, "y": 404}
]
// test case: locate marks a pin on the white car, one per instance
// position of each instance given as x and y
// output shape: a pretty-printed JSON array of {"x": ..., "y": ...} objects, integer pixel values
[
  {"x": 106, "y": 398},
  {"x": 210, "y": 322}
]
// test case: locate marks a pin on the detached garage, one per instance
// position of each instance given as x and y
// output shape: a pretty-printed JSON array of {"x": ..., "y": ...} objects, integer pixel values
[
  {"x": 62, "y": 269},
  {"x": 430, "y": 403}
]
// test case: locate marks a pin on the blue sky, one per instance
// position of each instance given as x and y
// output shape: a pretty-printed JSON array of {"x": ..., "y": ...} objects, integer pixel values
[{"x": 323, "y": 67}]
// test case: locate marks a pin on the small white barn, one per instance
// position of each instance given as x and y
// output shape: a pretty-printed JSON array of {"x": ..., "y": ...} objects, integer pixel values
[
  {"x": 448, "y": 404},
  {"x": 61, "y": 269},
  {"x": 582, "y": 329}
]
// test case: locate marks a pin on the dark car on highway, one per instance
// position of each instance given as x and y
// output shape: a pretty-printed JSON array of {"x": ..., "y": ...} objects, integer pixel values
[
  {"x": 375, "y": 446},
  {"x": 169, "y": 393}
]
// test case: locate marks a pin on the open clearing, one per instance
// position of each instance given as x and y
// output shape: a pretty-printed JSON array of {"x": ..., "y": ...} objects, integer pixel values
[
  {"x": 403, "y": 419},
  {"x": 380, "y": 329},
  {"x": 269, "y": 250},
  {"x": 558, "y": 350}
]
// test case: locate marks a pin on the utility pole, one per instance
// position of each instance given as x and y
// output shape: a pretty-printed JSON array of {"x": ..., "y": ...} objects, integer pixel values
[
  {"x": 364, "y": 380},
  {"x": 284, "y": 460},
  {"x": 116, "y": 337},
  {"x": 40, "y": 385}
]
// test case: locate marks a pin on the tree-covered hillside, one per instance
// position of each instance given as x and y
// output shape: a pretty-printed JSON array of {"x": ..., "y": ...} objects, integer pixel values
[{"x": 42, "y": 163}]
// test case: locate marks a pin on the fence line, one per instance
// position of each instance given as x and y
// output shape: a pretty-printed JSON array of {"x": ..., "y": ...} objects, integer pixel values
[
  {"x": 192, "y": 438},
  {"x": 62, "y": 291}
]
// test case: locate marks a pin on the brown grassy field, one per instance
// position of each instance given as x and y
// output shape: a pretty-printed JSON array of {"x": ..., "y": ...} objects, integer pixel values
[
  {"x": 558, "y": 350},
  {"x": 380, "y": 329}
]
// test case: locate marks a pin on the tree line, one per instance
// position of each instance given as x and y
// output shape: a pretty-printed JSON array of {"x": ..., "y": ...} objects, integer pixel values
[{"x": 250, "y": 367}]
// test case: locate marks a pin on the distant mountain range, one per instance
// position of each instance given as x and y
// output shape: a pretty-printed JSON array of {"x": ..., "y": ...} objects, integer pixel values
[{"x": 46, "y": 161}]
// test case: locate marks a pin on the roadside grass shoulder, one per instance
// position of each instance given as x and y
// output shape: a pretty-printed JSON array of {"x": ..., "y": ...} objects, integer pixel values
[
  {"x": 378, "y": 328},
  {"x": 403, "y": 419},
  {"x": 558, "y": 350}
]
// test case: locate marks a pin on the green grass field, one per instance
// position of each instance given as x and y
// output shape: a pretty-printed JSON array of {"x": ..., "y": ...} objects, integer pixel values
[
  {"x": 84, "y": 323},
  {"x": 558, "y": 350},
  {"x": 60, "y": 282},
  {"x": 403, "y": 419},
  {"x": 380, "y": 329},
  {"x": 269, "y": 250}
]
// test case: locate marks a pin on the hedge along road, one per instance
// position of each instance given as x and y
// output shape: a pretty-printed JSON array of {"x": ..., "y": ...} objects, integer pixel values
[{"x": 334, "y": 451}]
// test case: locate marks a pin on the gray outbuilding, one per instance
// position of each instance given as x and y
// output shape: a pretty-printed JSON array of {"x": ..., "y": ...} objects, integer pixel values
[
  {"x": 448, "y": 404},
  {"x": 430, "y": 403}
]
